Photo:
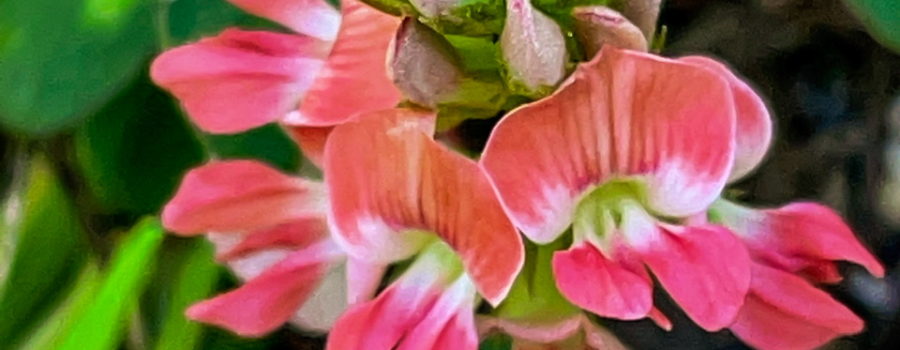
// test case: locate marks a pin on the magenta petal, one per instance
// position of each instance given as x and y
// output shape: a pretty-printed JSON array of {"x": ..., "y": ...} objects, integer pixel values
[
  {"x": 605, "y": 287},
  {"x": 240, "y": 79},
  {"x": 270, "y": 299},
  {"x": 293, "y": 235},
  {"x": 239, "y": 196},
  {"x": 783, "y": 311},
  {"x": 705, "y": 269}
]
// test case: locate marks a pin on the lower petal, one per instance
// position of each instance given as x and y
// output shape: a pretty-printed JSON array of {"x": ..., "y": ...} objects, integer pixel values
[
  {"x": 270, "y": 299},
  {"x": 783, "y": 311},
  {"x": 605, "y": 287},
  {"x": 449, "y": 324},
  {"x": 706, "y": 270}
]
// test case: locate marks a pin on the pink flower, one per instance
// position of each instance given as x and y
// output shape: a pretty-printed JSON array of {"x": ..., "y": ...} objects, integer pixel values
[
  {"x": 627, "y": 149},
  {"x": 243, "y": 79},
  {"x": 396, "y": 194},
  {"x": 792, "y": 248},
  {"x": 271, "y": 230}
]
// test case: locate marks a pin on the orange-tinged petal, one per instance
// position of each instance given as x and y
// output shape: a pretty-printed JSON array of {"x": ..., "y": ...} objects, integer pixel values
[
  {"x": 239, "y": 79},
  {"x": 389, "y": 182},
  {"x": 240, "y": 196},
  {"x": 311, "y": 17},
  {"x": 754, "y": 126},
  {"x": 625, "y": 114},
  {"x": 354, "y": 78},
  {"x": 311, "y": 141}
]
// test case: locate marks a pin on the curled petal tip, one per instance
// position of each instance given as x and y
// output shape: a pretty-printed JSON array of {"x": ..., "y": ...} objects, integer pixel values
[{"x": 596, "y": 26}]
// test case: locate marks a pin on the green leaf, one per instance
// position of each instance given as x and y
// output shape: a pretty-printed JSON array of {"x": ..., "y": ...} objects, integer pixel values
[
  {"x": 881, "y": 18},
  {"x": 60, "y": 60},
  {"x": 195, "y": 279},
  {"x": 134, "y": 151},
  {"x": 190, "y": 20},
  {"x": 75, "y": 302},
  {"x": 45, "y": 248},
  {"x": 268, "y": 143},
  {"x": 101, "y": 324}
]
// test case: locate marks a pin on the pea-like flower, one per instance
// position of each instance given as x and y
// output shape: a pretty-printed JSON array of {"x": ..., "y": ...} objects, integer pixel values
[
  {"x": 624, "y": 152},
  {"x": 396, "y": 194}
]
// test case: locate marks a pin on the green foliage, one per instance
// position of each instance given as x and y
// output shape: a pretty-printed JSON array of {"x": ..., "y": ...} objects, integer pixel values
[
  {"x": 47, "y": 247},
  {"x": 95, "y": 315},
  {"x": 192, "y": 280},
  {"x": 268, "y": 143},
  {"x": 881, "y": 18},
  {"x": 41, "y": 43},
  {"x": 133, "y": 152},
  {"x": 102, "y": 323}
]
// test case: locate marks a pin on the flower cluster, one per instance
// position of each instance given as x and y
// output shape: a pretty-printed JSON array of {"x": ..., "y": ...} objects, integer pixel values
[{"x": 611, "y": 161}]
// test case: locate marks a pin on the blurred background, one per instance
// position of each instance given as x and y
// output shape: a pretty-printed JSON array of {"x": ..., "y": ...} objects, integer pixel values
[{"x": 90, "y": 150}]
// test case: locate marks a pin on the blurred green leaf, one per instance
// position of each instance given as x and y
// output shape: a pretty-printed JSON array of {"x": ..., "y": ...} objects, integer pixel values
[
  {"x": 882, "y": 19},
  {"x": 194, "y": 280},
  {"x": 85, "y": 287},
  {"x": 46, "y": 248},
  {"x": 134, "y": 151},
  {"x": 268, "y": 143},
  {"x": 60, "y": 60},
  {"x": 101, "y": 324},
  {"x": 190, "y": 20}
]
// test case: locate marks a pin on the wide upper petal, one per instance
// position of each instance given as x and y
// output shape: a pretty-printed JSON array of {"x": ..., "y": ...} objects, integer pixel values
[
  {"x": 267, "y": 301},
  {"x": 389, "y": 182},
  {"x": 240, "y": 79},
  {"x": 238, "y": 196},
  {"x": 706, "y": 270},
  {"x": 603, "y": 286},
  {"x": 354, "y": 78},
  {"x": 311, "y": 17},
  {"x": 783, "y": 311},
  {"x": 754, "y": 126},
  {"x": 797, "y": 236},
  {"x": 624, "y": 114}
]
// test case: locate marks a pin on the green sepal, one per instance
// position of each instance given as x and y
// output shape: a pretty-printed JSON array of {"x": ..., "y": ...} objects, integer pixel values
[{"x": 534, "y": 297}]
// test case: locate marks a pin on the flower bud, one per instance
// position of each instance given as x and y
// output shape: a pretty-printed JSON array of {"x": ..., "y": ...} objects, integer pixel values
[
  {"x": 534, "y": 48},
  {"x": 464, "y": 17},
  {"x": 599, "y": 25},
  {"x": 422, "y": 64},
  {"x": 644, "y": 14}
]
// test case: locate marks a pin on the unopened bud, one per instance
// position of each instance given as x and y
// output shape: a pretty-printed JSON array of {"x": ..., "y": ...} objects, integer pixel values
[
  {"x": 644, "y": 14},
  {"x": 596, "y": 26},
  {"x": 423, "y": 64},
  {"x": 534, "y": 48}
]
